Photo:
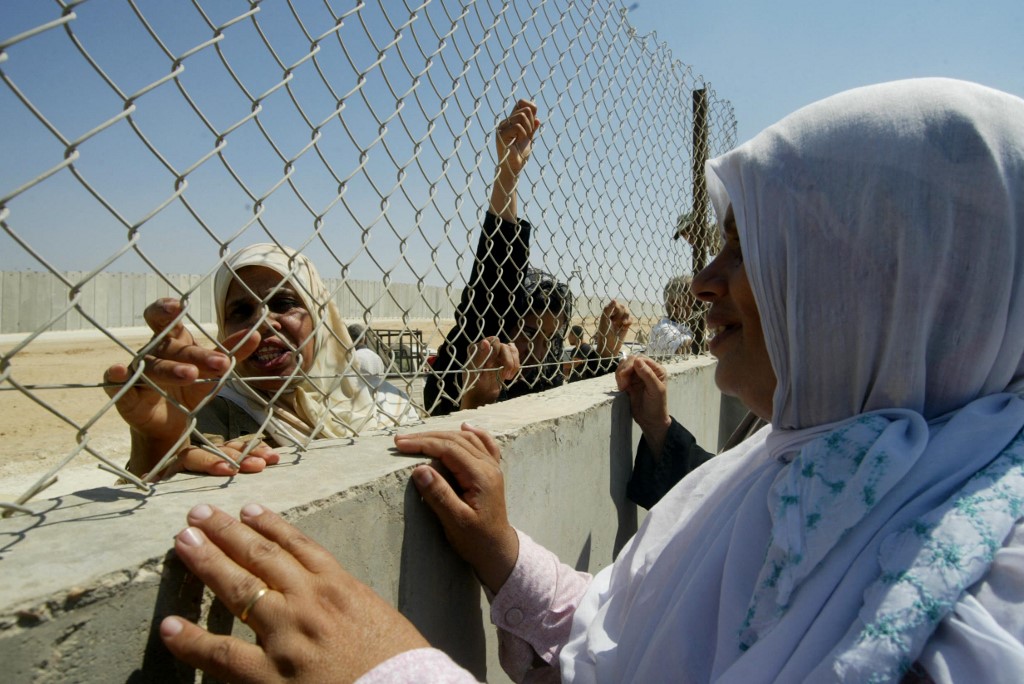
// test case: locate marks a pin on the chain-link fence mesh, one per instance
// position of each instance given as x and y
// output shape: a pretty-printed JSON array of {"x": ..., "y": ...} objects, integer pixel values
[{"x": 147, "y": 143}]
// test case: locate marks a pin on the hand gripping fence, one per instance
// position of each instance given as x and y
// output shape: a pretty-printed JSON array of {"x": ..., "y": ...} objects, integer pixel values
[{"x": 147, "y": 143}]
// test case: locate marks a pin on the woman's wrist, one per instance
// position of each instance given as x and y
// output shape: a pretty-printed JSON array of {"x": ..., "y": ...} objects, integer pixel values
[
  {"x": 147, "y": 451},
  {"x": 503, "y": 194},
  {"x": 655, "y": 435},
  {"x": 496, "y": 566}
]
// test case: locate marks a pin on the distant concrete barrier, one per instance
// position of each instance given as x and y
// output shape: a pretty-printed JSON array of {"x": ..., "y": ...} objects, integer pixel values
[
  {"x": 32, "y": 301},
  {"x": 87, "y": 582}
]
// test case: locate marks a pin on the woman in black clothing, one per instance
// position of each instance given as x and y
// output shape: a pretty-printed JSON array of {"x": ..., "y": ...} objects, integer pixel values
[{"x": 511, "y": 319}]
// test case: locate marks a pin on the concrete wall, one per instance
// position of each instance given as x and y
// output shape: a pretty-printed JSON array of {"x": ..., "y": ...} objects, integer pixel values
[
  {"x": 33, "y": 301},
  {"x": 87, "y": 581}
]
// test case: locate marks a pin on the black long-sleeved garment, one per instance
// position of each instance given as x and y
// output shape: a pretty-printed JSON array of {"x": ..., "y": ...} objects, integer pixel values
[{"x": 488, "y": 307}]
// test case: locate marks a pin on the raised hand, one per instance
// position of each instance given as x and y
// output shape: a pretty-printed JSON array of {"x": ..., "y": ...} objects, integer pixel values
[
  {"x": 612, "y": 329},
  {"x": 513, "y": 143},
  {"x": 313, "y": 621},
  {"x": 474, "y": 520},
  {"x": 514, "y": 139},
  {"x": 491, "y": 365}
]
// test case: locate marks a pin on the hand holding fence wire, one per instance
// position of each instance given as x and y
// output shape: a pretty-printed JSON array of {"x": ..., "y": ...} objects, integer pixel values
[
  {"x": 612, "y": 329},
  {"x": 492, "y": 365},
  {"x": 513, "y": 143},
  {"x": 157, "y": 408}
]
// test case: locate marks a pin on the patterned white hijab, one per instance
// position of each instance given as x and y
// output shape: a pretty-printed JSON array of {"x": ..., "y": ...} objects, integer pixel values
[{"x": 883, "y": 237}]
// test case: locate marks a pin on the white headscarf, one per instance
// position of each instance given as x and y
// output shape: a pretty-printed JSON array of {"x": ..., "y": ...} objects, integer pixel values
[
  {"x": 882, "y": 236},
  {"x": 329, "y": 400}
]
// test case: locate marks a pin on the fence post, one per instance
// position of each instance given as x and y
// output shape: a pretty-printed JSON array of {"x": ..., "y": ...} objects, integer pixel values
[
  {"x": 700, "y": 187},
  {"x": 694, "y": 226}
]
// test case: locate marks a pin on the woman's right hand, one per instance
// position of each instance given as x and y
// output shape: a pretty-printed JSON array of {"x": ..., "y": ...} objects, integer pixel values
[
  {"x": 175, "y": 365},
  {"x": 475, "y": 521},
  {"x": 513, "y": 142},
  {"x": 514, "y": 139}
]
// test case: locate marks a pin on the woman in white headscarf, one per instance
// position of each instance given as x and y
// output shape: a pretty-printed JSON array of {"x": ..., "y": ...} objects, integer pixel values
[
  {"x": 293, "y": 382},
  {"x": 880, "y": 235},
  {"x": 869, "y": 301}
]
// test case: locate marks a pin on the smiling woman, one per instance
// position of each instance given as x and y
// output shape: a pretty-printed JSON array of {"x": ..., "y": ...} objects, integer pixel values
[
  {"x": 744, "y": 369},
  {"x": 294, "y": 378},
  {"x": 286, "y": 331}
]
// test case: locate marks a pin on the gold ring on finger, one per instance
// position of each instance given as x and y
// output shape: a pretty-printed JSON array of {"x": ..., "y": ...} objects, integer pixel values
[{"x": 252, "y": 602}]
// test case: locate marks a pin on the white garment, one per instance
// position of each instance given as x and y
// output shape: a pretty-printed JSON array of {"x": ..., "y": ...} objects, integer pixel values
[
  {"x": 882, "y": 237},
  {"x": 393, "y": 404},
  {"x": 371, "y": 366},
  {"x": 667, "y": 337}
]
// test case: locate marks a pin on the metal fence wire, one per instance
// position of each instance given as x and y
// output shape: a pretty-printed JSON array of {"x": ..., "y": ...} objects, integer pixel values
[{"x": 149, "y": 145}]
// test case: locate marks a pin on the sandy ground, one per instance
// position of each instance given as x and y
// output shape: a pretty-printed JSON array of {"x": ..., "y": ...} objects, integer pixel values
[{"x": 64, "y": 370}]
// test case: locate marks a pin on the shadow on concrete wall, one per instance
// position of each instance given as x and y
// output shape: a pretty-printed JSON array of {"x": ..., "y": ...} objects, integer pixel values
[
  {"x": 438, "y": 590},
  {"x": 180, "y": 593},
  {"x": 620, "y": 463}
]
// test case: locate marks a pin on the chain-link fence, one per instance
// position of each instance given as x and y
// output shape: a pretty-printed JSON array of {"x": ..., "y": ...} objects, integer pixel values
[{"x": 144, "y": 138}]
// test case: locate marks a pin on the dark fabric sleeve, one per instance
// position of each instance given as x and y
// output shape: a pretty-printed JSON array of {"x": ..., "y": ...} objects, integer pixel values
[
  {"x": 651, "y": 481},
  {"x": 222, "y": 417},
  {"x": 594, "y": 366},
  {"x": 485, "y": 308}
]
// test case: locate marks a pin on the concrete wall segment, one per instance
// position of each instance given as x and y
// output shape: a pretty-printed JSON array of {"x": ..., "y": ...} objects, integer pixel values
[{"x": 87, "y": 581}]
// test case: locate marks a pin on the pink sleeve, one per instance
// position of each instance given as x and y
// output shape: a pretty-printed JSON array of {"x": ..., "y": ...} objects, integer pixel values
[
  {"x": 533, "y": 612},
  {"x": 421, "y": 665}
]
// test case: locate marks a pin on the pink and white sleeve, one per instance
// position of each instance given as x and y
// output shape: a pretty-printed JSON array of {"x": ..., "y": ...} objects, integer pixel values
[{"x": 533, "y": 613}]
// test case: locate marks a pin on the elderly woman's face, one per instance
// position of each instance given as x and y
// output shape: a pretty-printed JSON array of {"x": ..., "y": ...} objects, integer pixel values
[
  {"x": 744, "y": 369},
  {"x": 288, "y": 326}
]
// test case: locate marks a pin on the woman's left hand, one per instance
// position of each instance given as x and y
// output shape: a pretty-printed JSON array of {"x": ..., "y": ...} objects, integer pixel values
[
  {"x": 643, "y": 380},
  {"x": 194, "y": 459},
  {"x": 313, "y": 621},
  {"x": 474, "y": 519}
]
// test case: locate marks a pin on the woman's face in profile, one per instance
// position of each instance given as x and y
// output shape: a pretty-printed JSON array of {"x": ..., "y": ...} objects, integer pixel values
[
  {"x": 737, "y": 340},
  {"x": 288, "y": 326}
]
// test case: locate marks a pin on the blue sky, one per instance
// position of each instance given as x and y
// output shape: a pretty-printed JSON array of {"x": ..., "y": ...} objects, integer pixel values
[
  {"x": 767, "y": 58},
  {"x": 772, "y": 57}
]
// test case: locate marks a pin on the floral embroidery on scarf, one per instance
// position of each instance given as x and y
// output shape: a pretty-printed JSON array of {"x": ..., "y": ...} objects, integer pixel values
[
  {"x": 828, "y": 488},
  {"x": 928, "y": 566}
]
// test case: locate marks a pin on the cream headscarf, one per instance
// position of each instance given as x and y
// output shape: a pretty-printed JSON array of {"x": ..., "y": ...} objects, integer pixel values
[
  {"x": 330, "y": 400},
  {"x": 883, "y": 236}
]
